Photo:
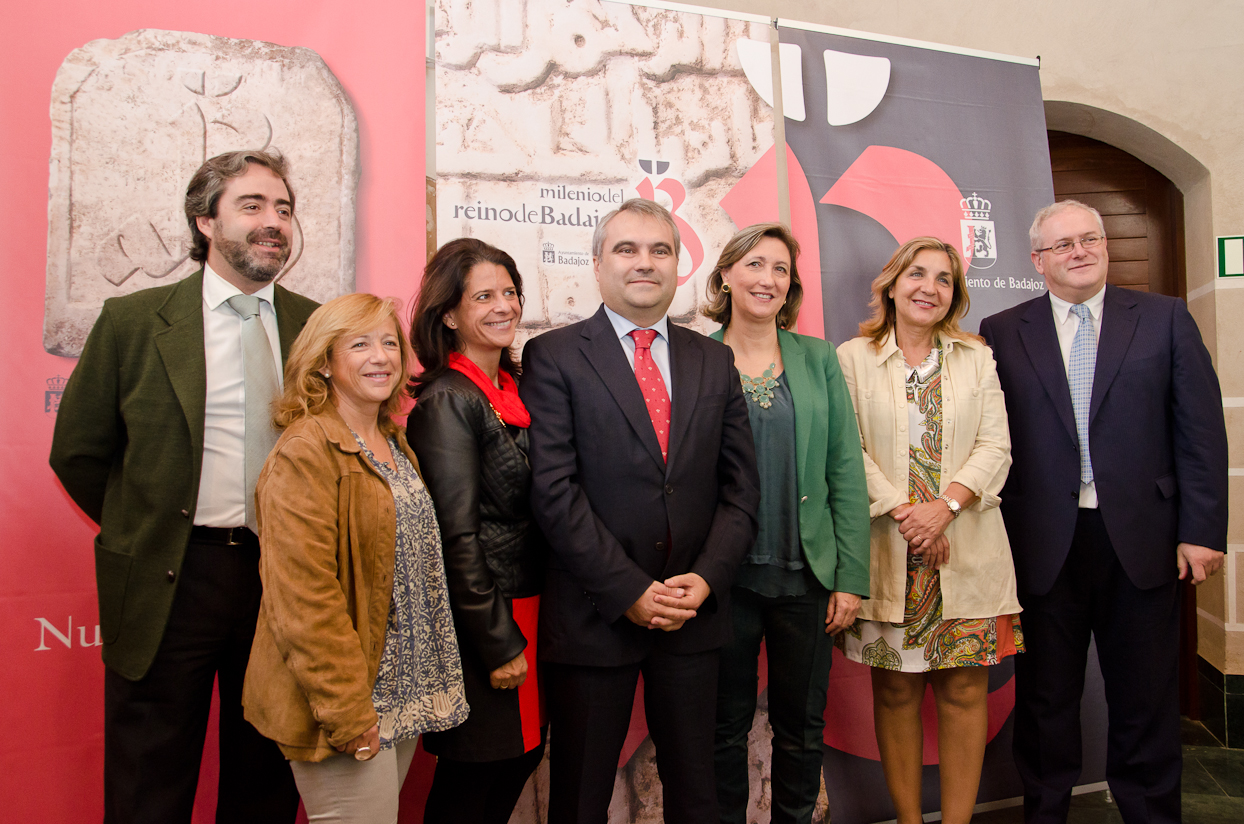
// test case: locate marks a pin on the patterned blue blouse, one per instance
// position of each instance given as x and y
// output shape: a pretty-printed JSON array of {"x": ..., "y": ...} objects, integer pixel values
[{"x": 419, "y": 683}]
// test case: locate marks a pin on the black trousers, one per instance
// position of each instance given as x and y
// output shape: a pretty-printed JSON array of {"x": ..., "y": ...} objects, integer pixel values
[
  {"x": 799, "y": 654},
  {"x": 1137, "y": 635},
  {"x": 589, "y": 715},
  {"x": 478, "y": 792},
  {"x": 154, "y": 728}
]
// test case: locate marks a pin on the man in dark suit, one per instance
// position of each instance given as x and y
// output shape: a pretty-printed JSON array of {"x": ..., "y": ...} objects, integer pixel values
[
  {"x": 156, "y": 441},
  {"x": 1118, "y": 490},
  {"x": 644, "y": 481}
]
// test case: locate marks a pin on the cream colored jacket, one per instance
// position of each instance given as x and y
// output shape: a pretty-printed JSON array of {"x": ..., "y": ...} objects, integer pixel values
[{"x": 979, "y": 579}]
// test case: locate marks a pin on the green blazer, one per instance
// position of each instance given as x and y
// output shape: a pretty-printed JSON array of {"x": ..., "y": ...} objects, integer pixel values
[
  {"x": 833, "y": 493},
  {"x": 128, "y": 448}
]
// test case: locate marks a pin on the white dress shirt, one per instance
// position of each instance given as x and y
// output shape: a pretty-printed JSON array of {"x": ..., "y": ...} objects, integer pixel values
[
  {"x": 1066, "y": 324},
  {"x": 222, "y": 484},
  {"x": 660, "y": 345}
]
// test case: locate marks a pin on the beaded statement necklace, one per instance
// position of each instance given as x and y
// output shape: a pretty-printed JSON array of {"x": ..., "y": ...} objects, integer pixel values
[{"x": 761, "y": 388}]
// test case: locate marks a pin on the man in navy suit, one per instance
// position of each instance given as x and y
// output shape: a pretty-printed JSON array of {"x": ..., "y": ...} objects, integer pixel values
[
  {"x": 1117, "y": 492},
  {"x": 644, "y": 480}
]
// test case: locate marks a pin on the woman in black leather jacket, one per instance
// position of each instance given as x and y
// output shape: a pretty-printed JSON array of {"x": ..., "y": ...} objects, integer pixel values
[{"x": 469, "y": 431}]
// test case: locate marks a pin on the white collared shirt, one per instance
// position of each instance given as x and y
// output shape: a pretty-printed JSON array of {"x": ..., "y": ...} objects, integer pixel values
[
  {"x": 222, "y": 484},
  {"x": 1066, "y": 324},
  {"x": 660, "y": 344}
]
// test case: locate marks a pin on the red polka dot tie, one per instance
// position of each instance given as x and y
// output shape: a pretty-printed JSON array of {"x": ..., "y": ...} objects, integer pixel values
[{"x": 652, "y": 385}]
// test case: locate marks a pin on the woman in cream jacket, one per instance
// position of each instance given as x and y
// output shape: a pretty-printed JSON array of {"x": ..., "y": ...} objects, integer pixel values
[{"x": 942, "y": 605}]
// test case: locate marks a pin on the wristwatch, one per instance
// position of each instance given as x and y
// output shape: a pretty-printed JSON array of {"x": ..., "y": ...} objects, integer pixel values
[{"x": 955, "y": 507}]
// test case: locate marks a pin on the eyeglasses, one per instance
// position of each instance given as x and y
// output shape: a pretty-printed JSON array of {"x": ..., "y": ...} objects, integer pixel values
[{"x": 1065, "y": 246}]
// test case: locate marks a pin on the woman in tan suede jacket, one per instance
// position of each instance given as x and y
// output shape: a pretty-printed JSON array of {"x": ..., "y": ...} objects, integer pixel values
[{"x": 354, "y": 649}]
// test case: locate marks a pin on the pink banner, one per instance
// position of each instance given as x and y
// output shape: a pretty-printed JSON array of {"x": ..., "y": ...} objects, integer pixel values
[{"x": 52, "y": 708}]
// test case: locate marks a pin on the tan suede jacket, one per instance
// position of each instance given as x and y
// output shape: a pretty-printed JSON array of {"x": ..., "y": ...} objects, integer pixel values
[
  {"x": 327, "y": 532},
  {"x": 979, "y": 579}
]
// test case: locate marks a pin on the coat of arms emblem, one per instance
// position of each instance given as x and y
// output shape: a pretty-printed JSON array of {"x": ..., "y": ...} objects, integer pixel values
[{"x": 980, "y": 241}]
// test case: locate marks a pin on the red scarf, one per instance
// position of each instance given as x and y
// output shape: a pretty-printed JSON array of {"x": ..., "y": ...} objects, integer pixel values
[{"x": 505, "y": 401}]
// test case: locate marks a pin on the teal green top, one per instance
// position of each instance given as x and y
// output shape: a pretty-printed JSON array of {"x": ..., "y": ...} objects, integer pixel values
[
  {"x": 830, "y": 485},
  {"x": 775, "y": 565}
]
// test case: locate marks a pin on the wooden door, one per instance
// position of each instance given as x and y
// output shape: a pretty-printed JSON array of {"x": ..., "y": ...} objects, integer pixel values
[{"x": 1142, "y": 210}]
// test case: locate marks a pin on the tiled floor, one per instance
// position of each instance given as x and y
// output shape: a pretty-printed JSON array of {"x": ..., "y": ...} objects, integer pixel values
[{"x": 1213, "y": 788}]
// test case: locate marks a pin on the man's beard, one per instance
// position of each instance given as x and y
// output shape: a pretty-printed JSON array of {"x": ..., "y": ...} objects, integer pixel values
[{"x": 240, "y": 257}]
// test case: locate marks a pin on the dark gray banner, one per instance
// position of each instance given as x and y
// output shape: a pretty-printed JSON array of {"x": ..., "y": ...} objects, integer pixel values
[
  {"x": 899, "y": 141},
  {"x": 977, "y": 121}
]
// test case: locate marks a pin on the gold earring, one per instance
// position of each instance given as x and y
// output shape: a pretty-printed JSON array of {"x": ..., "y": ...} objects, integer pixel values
[
  {"x": 449, "y": 322},
  {"x": 725, "y": 287}
]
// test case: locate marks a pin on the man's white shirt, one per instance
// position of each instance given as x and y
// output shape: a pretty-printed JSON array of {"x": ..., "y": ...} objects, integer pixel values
[{"x": 222, "y": 485}]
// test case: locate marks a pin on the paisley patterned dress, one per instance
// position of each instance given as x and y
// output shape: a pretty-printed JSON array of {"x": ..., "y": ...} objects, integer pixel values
[{"x": 925, "y": 641}]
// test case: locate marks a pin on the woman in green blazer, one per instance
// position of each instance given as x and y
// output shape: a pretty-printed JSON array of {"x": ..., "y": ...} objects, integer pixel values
[{"x": 804, "y": 578}]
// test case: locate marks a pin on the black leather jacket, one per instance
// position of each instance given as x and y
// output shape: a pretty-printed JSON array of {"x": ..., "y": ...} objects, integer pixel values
[{"x": 476, "y": 469}]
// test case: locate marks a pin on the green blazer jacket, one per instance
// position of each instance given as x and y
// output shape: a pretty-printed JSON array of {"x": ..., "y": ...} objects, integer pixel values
[
  {"x": 128, "y": 447},
  {"x": 833, "y": 492}
]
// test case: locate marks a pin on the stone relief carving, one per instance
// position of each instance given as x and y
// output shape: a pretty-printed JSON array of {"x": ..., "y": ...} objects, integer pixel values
[{"x": 133, "y": 118}]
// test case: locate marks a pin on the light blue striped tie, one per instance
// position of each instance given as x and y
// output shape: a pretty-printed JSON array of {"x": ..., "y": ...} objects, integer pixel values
[{"x": 1080, "y": 376}]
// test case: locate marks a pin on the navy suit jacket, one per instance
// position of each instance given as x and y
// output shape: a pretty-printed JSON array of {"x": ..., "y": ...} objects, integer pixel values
[
  {"x": 616, "y": 515},
  {"x": 1156, "y": 435}
]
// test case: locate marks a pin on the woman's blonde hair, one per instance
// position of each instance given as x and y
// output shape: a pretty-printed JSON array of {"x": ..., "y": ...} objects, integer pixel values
[
  {"x": 883, "y": 317},
  {"x": 745, "y": 240},
  {"x": 307, "y": 391}
]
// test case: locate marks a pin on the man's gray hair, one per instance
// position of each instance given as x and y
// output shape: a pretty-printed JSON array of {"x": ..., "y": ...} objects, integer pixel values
[
  {"x": 640, "y": 206},
  {"x": 1034, "y": 232}
]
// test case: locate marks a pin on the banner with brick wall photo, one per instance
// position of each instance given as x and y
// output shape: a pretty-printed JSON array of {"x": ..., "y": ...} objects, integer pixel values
[{"x": 549, "y": 114}]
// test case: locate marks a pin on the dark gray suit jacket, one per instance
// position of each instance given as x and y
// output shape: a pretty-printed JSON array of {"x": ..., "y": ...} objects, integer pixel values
[{"x": 609, "y": 504}]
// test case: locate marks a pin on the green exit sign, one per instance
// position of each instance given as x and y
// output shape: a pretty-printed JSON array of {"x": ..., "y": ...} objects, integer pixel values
[{"x": 1231, "y": 257}]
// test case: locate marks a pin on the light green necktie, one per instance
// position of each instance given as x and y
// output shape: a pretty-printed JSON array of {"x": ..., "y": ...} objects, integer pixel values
[{"x": 261, "y": 390}]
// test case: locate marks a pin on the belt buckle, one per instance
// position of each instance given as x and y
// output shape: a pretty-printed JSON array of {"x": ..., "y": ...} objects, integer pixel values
[{"x": 233, "y": 531}]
